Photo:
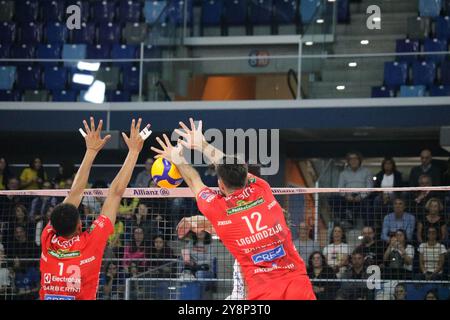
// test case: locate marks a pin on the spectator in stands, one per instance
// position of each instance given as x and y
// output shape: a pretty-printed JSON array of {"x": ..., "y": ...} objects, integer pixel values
[
  {"x": 5, "y": 275},
  {"x": 40, "y": 204},
  {"x": 305, "y": 245},
  {"x": 357, "y": 271},
  {"x": 26, "y": 278},
  {"x": 399, "y": 219},
  {"x": 34, "y": 176},
  {"x": 400, "y": 292},
  {"x": 144, "y": 178},
  {"x": 5, "y": 173},
  {"x": 140, "y": 219},
  {"x": 319, "y": 269},
  {"x": 137, "y": 288},
  {"x": 40, "y": 225},
  {"x": 9, "y": 202},
  {"x": 399, "y": 257},
  {"x": 21, "y": 247},
  {"x": 128, "y": 206},
  {"x": 161, "y": 268},
  {"x": 92, "y": 205},
  {"x": 353, "y": 176},
  {"x": 112, "y": 282},
  {"x": 19, "y": 219},
  {"x": 337, "y": 252},
  {"x": 114, "y": 247},
  {"x": 135, "y": 250},
  {"x": 434, "y": 218},
  {"x": 426, "y": 168},
  {"x": 371, "y": 248},
  {"x": 420, "y": 198},
  {"x": 66, "y": 171},
  {"x": 388, "y": 177},
  {"x": 432, "y": 256},
  {"x": 432, "y": 294}
]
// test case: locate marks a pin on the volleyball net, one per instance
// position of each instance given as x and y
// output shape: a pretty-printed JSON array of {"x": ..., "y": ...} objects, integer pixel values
[{"x": 360, "y": 243}]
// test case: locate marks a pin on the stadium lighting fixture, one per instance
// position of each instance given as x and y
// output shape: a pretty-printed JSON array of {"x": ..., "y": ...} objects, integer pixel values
[
  {"x": 89, "y": 66},
  {"x": 364, "y": 42},
  {"x": 340, "y": 88},
  {"x": 352, "y": 64},
  {"x": 319, "y": 20},
  {"x": 309, "y": 43}
]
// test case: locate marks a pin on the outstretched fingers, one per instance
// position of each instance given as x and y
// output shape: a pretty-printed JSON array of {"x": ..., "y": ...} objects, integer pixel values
[
  {"x": 92, "y": 124},
  {"x": 86, "y": 127},
  {"x": 100, "y": 126}
]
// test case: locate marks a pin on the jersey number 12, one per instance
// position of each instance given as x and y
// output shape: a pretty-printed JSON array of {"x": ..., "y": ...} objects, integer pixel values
[{"x": 254, "y": 216}]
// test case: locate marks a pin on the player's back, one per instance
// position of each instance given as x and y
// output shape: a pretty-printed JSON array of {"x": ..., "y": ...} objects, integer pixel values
[
  {"x": 251, "y": 224},
  {"x": 70, "y": 267}
]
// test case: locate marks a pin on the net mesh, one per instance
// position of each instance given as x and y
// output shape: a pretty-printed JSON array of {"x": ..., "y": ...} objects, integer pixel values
[{"x": 357, "y": 244}]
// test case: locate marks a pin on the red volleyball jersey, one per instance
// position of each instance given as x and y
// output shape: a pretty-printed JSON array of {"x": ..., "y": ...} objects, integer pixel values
[
  {"x": 70, "y": 268},
  {"x": 251, "y": 224}
]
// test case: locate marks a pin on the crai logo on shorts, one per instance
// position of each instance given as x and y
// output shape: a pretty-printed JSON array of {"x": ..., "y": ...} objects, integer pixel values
[
  {"x": 244, "y": 205},
  {"x": 64, "y": 254}
]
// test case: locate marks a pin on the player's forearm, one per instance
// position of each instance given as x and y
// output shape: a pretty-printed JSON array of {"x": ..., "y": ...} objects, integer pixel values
[
  {"x": 188, "y": 173},
  {"x": 212, "y": 153},
  {"x": 123, "y": 178}
]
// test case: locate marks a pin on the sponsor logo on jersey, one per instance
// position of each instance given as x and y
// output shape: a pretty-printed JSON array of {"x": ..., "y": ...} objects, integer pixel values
[
  {"x": 224, "y": 223},
  {"x": 206, "y": 194},
  {"x": 244, "y": 205},
  {"x": 88, "y": 260},
  {"x": 64, "y": 243},
  {"x": 47, "y": 278},
  {"x": 58, "y": 297},
  {"x": 247, "y": 192},
  {"x": 272, "y": 204},
  {"x": 64, "y": 254},
  {"x": 264, "y": 234},
  {"x": 269, "y": 255},
  {"x": 290, "y": 266},
  {"x": 92, "y": 228}
]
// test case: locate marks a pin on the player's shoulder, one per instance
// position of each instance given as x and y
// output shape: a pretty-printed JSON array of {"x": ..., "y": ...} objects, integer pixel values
[{"x": 253, "y": 180}]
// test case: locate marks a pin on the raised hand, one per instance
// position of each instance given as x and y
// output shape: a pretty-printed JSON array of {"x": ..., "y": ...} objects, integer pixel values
[
  {"x": 92, "y": 136},
  {"x": 196, "y": 224},
  {"x": 135, "y": 142},
  {"x": 193, "y": 138},
  {"x": 168, "y": 151}
]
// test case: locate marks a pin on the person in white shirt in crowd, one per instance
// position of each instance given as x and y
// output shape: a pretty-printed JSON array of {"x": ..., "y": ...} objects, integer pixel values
[
  {"x": 432, "y": 256},
  {"x": 387, "y": 177},
  {"x": 337, "y": 252},
  {"x": 399, "y": 257}
]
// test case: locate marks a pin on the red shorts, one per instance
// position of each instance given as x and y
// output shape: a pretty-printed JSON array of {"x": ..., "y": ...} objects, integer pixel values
[{"x": 296, "y": 288}]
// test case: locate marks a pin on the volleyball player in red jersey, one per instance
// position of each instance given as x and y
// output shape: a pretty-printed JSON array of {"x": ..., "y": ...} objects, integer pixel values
[
  {"x": 71, "y": 259},
  {"x": 247, "y": 218}
]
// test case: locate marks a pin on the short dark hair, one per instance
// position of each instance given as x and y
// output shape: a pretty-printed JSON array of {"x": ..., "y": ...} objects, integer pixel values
[
  {"x": 64, "y": 219},
  {"x": 232, "y": 172}
]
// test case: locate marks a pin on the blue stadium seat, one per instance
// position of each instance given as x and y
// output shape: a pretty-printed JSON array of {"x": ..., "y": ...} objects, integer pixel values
[
  {"x": 7, "y": 12},
  {"x": 412, "y": 91},
  {"x": 235, "y": 12},
  {"x": 5, "y": 49},
  {"x": 423, "y": 73},
  {"x": 130, "y": 11},
  {"x": 73, "y": 51},
  {"x": 99, "y": 51},
  {"x": 308, "y": 10},
  {"x": 122, "y": 51},
  {"x": 84, "y": 6},
  {"x": 7, "y": 32},
  {"x": 10, "y": 95},
  {"x": 407, "y": 46},
  {"x": 154, "y": 11},
  {"x": 260, "y": 12},
  {"x": 53, "y": 11},
  {"x": 430, "y": 8},
  {"x": 153, "y": 52},
  {"x": 109, "y": 33},
  {"x": 285, "y": 11},
  {"x": 28, "y": 77},
  {"x": 176, "y": 11},
  {"x": 84, "y": 35},
  {"x": 104, "y": 11},
  {"x": 31, "y": 32},
  {"x": 7, "y": 77},
  {"x": 445, "y": 72},
  {"x": 56, "y": 32},
  {"x": 395, "y": 73},
  {"x": 64, "y": 95},
  {"x": 27, "y": 10},
  {"x": 343, "y": 11},
  {"x": 22, "y": 51},
  {"x": 383, "y": 92},
  {"x": 435, "y": 45},
  {"x": 48, "y": 51},
  {"x": 130, "y": 79},
  {"x": 118, "y": 96},
  {"x": 55, "y": 78},
  {"x": 443, "y": 28},
  {"x": 440, "y": 91},
  {"x": 212, "y": 12}
]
